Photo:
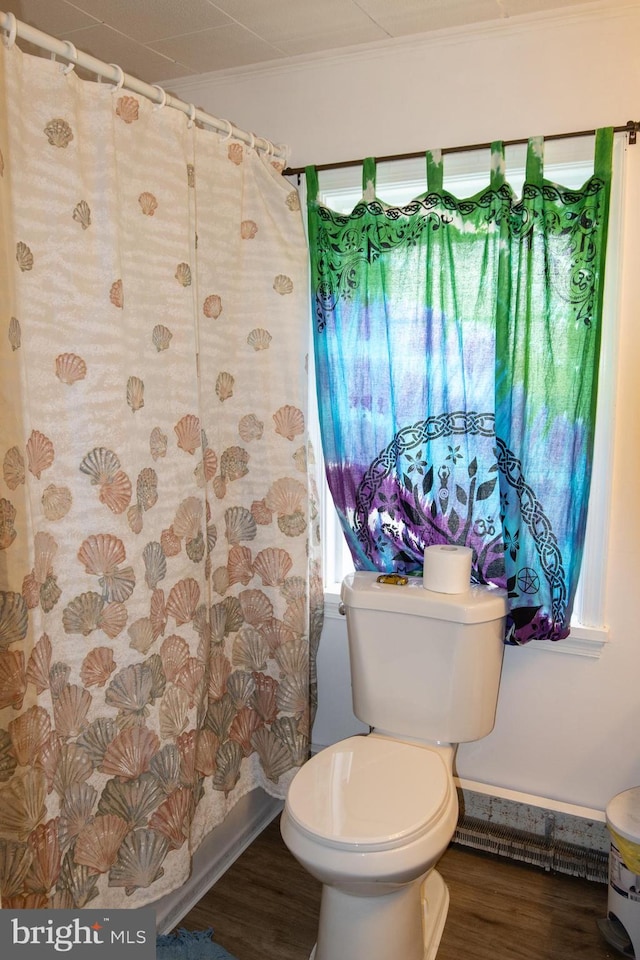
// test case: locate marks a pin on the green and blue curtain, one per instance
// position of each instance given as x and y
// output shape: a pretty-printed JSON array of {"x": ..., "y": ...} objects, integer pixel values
[{"x": 457, "y": 347}]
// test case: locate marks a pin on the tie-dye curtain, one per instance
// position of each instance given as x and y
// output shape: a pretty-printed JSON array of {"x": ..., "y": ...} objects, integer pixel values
[
  {"x": 157, "y": 571},
  {"x": 457, "y": 346}
]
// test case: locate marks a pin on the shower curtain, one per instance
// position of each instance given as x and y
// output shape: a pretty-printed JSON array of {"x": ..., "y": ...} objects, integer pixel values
[{"x": 160, "y": 597}]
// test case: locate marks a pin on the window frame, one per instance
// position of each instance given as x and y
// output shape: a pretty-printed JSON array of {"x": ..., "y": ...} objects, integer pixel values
[{"x": 570, "y": 163}]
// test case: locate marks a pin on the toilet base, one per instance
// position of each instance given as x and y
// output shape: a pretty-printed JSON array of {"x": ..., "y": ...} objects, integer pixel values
[
  {"x": 435, "y": 900},
  {"x": 407, "y": 924}
]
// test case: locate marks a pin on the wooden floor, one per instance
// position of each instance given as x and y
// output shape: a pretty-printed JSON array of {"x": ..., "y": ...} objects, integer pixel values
[{"x": 266, "y": 908}]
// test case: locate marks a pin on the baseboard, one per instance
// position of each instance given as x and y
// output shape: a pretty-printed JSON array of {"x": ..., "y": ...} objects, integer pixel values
[
  {"x": 552, "y": 837},
  {"x": 215, "y": 855},
  {"x": 529, "y": 800},
  {"x": 558, "y": 840}
]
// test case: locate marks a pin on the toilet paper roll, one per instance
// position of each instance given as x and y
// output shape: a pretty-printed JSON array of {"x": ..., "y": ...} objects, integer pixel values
[{"x": 447, "y": 569}]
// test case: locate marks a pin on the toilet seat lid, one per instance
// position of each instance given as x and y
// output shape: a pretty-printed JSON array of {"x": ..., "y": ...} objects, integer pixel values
[{"x": 370, "y": 791}]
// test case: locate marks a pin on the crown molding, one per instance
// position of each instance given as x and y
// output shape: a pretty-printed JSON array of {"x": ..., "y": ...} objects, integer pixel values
[{"x": 599, "y": 10}]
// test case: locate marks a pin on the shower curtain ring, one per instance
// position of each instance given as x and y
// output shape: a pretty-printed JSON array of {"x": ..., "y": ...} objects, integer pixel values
[
  {"x": 227, "y": 136},
  {"x": 163, "y": 97},
  {"x": 192, "y": 114},
  {"x": 120, "y": 81},
  {"x": 12, "y": 31},
  {"x": 252, "y": 141},
  {"x": 72, "y": 56}
]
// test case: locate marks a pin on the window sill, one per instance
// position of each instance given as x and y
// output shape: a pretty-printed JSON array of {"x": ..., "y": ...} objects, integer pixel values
[
  {"x": 332, "y": 605},
  {"x": 582, "y": 642}
]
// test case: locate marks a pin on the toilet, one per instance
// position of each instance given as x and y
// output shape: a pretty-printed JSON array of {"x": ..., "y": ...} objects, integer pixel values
[{"x": 371, "y": 815}]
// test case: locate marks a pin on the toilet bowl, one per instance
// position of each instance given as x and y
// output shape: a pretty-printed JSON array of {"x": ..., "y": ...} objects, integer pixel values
[{"x": 369, "y": 817}]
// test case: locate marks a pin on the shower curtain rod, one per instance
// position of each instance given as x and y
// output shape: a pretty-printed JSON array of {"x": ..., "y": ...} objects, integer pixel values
[
  {"x": 632, "y": 127},
  {"x": 111, "y": 71}
]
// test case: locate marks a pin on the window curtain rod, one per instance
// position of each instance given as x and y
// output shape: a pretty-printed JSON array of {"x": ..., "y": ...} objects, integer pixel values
[
  {"x": 632, "y": 127},
  {"x": 111, "y": 71}
]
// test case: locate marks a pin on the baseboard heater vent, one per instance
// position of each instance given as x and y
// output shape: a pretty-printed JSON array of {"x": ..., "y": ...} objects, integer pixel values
[{"x": 541, "y": 851}]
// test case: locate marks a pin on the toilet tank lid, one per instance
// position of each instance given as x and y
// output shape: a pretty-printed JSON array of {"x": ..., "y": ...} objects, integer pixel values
[{"x": 481, "y": 603}]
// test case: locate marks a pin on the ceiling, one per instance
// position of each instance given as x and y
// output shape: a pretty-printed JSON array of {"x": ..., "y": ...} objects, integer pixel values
[{"x": 162, "y": 40}]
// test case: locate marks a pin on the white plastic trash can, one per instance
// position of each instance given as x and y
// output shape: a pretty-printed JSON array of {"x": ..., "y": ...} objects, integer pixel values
[{"x": 622, "y": 927}]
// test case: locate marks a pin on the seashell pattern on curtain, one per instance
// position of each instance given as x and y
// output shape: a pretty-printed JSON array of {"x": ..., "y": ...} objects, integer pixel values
[{"x": 160, "y": 592}]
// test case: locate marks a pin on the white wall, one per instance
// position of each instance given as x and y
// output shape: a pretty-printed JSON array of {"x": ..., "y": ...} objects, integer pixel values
[{"x": 567, "y": 727}]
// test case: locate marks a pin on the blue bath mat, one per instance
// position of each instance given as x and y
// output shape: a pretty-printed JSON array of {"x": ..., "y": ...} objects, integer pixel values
[{"x": 190, "y": 945}]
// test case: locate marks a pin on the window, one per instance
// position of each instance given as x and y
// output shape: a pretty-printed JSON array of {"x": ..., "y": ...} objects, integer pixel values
[{"x": 568, "y": 162}]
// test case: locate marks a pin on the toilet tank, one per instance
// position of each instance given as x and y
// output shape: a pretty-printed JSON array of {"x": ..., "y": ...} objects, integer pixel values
[{"x": 424, "y": 664}]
